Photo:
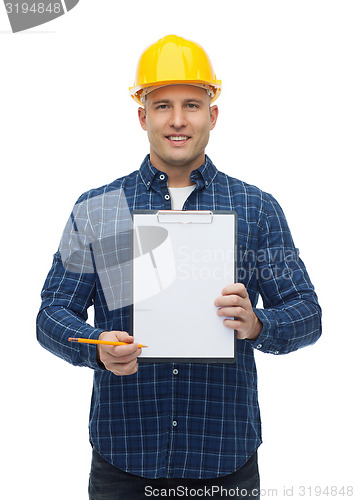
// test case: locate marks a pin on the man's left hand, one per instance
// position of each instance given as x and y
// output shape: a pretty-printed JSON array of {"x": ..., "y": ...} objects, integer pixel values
[{"x": 234, "y": 302}]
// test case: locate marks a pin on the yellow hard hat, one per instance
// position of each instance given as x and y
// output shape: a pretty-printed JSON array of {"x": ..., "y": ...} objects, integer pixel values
[{"x": 172, "y": 60}]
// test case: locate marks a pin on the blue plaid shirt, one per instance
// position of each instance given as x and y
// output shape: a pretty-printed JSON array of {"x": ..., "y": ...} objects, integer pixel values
[{"x": 192, "y": 420}]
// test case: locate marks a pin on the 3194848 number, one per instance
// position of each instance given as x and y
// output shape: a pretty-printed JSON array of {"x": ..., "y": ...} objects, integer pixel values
[
  {"x": 332, "y": 491},
  {"x": 35, "y": 8}
]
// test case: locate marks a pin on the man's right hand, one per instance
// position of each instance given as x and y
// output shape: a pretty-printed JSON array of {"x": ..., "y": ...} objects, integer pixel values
[{"x": 120, "y": 360}]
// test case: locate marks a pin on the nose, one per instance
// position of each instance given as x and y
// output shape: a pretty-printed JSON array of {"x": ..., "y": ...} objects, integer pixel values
[{"x": 177, "y": 118}]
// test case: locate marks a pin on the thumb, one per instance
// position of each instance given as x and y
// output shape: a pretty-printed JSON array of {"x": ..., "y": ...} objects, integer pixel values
[{"x": 123, "y": 337}]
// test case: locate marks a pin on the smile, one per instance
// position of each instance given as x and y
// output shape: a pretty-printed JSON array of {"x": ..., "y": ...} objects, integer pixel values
[{"x": 178, "y": 138}]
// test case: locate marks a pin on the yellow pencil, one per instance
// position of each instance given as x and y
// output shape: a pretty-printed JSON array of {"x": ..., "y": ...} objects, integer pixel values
[{"x": 106, "y": 342}]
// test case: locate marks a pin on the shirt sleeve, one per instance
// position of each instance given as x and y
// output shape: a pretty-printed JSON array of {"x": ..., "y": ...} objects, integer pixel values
[
  {"x": 291, "y": 315},
  {"x": 66, "y": 297}
]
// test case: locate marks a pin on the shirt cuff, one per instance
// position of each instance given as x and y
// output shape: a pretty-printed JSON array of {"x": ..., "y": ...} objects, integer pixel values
[
  {"x": 87, "y": 352},
  {"x": 266, "y": 340}
]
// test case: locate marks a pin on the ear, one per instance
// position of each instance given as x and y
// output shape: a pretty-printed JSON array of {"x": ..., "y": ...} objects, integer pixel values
[
  {"x": 213, "y": 116},
  {"x": 142, "y": 118}
]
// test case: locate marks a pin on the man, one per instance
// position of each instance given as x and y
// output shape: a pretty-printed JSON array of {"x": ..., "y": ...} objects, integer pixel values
[{"x": 156, "y": 426}]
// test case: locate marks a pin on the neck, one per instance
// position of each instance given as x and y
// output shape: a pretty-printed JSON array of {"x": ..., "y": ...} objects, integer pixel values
[{"x": 179, "y": 175}]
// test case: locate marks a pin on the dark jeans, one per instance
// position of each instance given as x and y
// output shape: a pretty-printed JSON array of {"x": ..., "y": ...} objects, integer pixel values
[{"x": 109, "y": 483}]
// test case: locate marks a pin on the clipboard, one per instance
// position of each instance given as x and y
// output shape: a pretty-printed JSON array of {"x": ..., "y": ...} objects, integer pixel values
[{"x": 181, "y": 262}]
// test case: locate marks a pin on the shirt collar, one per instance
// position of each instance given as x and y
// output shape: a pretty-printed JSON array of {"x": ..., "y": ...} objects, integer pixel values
[{"x": 202, "y": 176}]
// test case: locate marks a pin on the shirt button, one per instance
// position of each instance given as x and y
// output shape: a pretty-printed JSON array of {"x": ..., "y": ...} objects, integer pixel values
[
  {"x": 259, "y": 346},
  {"x": 175, "y": 371},
  {"x": 276, "y": 352},
  {"x": 148, "y": 183},
  {"x": 162, "y": 177},
  {"x": 167, "y": 197},
  {"x": 206, "y": 183},
  {"x": 174, "y": 423}
]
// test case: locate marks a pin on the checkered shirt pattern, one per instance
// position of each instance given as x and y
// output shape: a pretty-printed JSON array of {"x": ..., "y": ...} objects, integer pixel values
[{"x": 191, "y": 420}]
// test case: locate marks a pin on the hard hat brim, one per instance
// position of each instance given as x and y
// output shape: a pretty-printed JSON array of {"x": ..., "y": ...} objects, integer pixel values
[{"x": 136, "y": 90}]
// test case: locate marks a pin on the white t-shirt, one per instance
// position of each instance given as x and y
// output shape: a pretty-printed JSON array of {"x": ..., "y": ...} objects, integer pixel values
[{"x": 179, "y": 196}]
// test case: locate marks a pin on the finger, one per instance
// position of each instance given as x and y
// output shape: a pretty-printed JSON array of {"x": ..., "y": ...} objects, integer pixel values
[
  {"x": 235, "y": 288},
  {"x": 232, "y": 323},
  {"x": 129, "y": 357},
  {"x": 121, "y": 351},
  {"x": 124, "y": 360},
  {"x": 235, "y": 324},
  {"x": 238, "y": 326},
  {"x": 123, "y": 337},
  {"x": 230, "y": 300},
  {"x": 118, "y": 365},
  {"x": 233, "y": 312},
  {"x": 110, "y": 354}
]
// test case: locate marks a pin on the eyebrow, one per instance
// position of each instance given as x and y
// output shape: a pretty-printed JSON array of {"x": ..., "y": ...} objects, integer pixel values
[
  {"x": 198, "y": 101},
  {"x": 161, "y": 101}
]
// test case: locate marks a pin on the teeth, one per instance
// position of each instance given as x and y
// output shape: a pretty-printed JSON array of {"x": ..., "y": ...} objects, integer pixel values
[{"x": 178, "y": 137}]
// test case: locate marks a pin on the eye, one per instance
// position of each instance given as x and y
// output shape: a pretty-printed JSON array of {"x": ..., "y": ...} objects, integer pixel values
[
  {"x": 162, "y": 106},
  {"x": 191, "y": 105}
]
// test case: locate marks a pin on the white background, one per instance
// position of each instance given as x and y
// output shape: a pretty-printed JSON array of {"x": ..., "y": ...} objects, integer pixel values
[{"x": 286, "y": 124}]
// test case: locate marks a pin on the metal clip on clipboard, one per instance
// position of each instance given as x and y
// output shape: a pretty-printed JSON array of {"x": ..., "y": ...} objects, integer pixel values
[{"x": 185, "y": 216}]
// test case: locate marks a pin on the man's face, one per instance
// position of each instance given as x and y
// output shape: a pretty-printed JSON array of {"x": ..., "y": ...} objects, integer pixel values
[{"x": 178, "y": 120}]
